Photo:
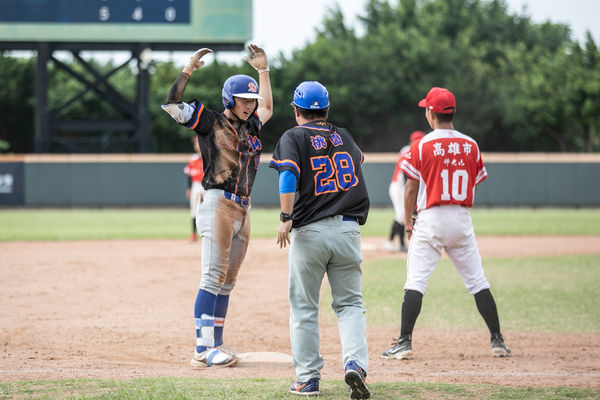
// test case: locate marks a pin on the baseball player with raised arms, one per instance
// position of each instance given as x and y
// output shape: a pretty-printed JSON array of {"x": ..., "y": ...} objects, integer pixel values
[
  {"x": 443, "y": 169},
  {"x": 230, "y": 145},
  {"x": 396, "y": 192},
  {"x": 323, "y": 200},
  {"x": 195, "y": 191}
]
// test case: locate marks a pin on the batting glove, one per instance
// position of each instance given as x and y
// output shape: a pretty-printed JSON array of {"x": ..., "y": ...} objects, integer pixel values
[
  {"x": 257, "y": 58},
  {"x": 195, "y": 63}
]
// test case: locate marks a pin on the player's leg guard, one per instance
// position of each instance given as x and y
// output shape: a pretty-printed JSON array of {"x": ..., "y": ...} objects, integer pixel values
[
  {"x": 205, "y": 332},
  {"x": 205, "y": 321},
  {"x": 401, "y": 233},
  {"x": 395, "y": 230},
  {"x": 411, "y": 307},
  {"x": 220, "y": 313},
  {"x": 487, "y": 308}
]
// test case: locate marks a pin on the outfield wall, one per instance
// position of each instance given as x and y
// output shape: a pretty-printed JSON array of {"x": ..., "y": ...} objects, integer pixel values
[{"x": 133, "y": 180}]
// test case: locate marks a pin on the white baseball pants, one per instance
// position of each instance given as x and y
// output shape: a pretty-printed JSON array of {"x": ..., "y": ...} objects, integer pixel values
[
  {"x": 446, "y": 228},
  {"x": 224, "y": 227},
  {"x": 396, "y": 192},
  {"x": 196, "y": 194}
]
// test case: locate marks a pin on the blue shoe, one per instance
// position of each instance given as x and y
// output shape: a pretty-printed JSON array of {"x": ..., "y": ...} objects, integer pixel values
[
  {"x": 310, "y": 388},
  {"x": 355, "y": 378}
]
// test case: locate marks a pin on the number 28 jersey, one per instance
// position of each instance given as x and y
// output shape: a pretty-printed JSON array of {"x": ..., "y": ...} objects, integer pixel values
[
  {"x": 448, "y": 166},
  {"x": 327, "y": 165}
]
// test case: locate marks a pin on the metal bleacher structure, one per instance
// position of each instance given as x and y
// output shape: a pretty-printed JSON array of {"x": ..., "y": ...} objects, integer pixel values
[{"x": 135, "y": 26}]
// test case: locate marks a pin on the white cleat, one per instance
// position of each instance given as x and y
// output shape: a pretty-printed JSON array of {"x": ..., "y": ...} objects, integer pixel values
[{"x": 213, "y": 358}]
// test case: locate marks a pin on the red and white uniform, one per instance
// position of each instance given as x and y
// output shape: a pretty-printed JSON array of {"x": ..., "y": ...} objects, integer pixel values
[
  {"x": 448, "y": 166},
  {"x": 396, "y": 188},
  {"x": 451, "y": 165},
  {"x": 195, "y": 170}
]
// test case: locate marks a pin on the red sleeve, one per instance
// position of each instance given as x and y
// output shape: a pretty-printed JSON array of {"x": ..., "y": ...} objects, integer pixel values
[{"x": 411, "y": 162}]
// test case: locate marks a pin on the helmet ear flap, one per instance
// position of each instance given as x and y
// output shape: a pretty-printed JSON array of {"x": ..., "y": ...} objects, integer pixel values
[{"x": 228, "y": 101}]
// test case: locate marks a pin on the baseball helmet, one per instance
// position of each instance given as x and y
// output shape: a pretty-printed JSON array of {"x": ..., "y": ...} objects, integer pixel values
[
  {"x": 311, "y": 95},
  {"x": 416, "y": 135},
  {"x": 239, "y": 86}
]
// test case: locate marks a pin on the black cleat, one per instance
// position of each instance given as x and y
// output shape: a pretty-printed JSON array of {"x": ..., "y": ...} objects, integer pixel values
[
  {"x": 499, "y": 349},
  {"x": 402, "y": 350}
]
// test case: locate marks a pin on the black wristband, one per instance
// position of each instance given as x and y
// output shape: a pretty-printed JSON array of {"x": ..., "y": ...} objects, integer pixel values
[{"x": 283, "y": 217}]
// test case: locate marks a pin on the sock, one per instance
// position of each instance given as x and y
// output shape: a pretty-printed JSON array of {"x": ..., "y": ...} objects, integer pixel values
[
  {"x": 411, "y": 307},
  {"x": 401, "y": 233},
  {"x": 193, "y": 226},
  {"x": 205, "y": 305},
  {"x": 487, "y": 308},
  {"x": 395, "y": 230},
  {"x": 220, "y": 313}
]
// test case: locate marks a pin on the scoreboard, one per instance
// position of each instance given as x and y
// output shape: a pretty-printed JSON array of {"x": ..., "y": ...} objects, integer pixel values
[
  {"x": 162, "y": 21},
  {"x": 99, "y": 11}
]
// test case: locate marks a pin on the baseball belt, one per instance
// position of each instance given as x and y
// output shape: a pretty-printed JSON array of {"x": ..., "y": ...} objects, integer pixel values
[{"x": 241, "y": 200}]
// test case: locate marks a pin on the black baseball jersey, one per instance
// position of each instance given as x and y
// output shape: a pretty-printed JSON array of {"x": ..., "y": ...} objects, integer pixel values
[
  {"x": 327, "y": 165},
  {"x": 231, "y": 157}
]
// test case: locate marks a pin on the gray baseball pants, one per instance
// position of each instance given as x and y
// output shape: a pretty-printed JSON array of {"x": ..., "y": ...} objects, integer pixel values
[{"x": 329, "y": 246}]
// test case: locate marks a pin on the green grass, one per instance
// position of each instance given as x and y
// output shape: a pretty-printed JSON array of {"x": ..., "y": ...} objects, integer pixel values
[
  {"x": 558, "y": 294},
  {"x": 74, "y": 224},
  {"x": 271, "y": 389},
  {"x": 508, "y": 221},
  {"x": 85, "y": 224},
  {"x": 555, "y": 294},
  {"x": 539, "y": 221}
]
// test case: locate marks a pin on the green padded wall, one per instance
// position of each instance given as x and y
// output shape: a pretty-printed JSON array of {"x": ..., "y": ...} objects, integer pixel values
[{"x": 131, "y": 184}]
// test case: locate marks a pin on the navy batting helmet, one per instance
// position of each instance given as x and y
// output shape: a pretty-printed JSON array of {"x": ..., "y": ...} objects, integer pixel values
[
  {"x": 239, "y": 86},
  {"x": 311, "y": 95}
]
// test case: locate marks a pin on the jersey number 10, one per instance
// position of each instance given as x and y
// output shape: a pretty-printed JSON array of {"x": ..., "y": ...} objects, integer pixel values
[
  {"x": 460, "y": 181},
  {"x": 333, "y": 173}
]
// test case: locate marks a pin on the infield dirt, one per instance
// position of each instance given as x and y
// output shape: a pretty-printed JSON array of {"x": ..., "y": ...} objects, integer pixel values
[{"x": 123, "y": 309}]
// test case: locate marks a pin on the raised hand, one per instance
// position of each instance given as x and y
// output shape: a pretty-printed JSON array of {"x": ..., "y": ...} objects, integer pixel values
[
  {"x": 257, "y": 58},
  {"x": 195, "y": 60}
]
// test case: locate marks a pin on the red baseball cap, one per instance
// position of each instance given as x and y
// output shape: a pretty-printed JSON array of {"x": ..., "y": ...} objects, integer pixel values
[
  {"x": 416, "y": 135},
  {"x": 439, "y": 100}
]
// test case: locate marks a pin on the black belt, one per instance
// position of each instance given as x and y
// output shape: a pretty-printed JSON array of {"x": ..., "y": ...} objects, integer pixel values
[
  {"x": 346, "y": 218},
  {"x": 241, "y": 200}
]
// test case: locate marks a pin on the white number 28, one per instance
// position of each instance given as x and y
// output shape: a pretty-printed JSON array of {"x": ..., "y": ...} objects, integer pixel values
[{"x": 460, "y": 181}]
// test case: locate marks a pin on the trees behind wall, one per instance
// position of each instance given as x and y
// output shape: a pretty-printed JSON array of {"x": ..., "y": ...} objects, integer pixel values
[{"x": 520, "y": 86}]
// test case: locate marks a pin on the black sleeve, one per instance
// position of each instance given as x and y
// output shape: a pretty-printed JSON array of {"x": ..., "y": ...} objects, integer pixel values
[
  {"x": 286, "y": 155},
  {"x": 176, "y": 92}
]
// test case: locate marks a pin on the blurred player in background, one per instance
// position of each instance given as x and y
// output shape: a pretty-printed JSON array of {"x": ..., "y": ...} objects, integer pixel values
[
  {"x": 443, "y": 169},
  {"x": 324, "y": 201},
  {"x": 230, "y": 145},
  {"x": 396, "y": 191},
  {"x": 195, "y": 191}
]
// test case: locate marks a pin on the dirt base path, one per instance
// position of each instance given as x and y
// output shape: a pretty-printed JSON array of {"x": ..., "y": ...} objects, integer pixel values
[{"x": 123, "y": 309}]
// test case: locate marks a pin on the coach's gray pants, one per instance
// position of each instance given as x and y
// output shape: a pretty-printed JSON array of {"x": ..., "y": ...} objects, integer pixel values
[{"x": 329, "y": 246}]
